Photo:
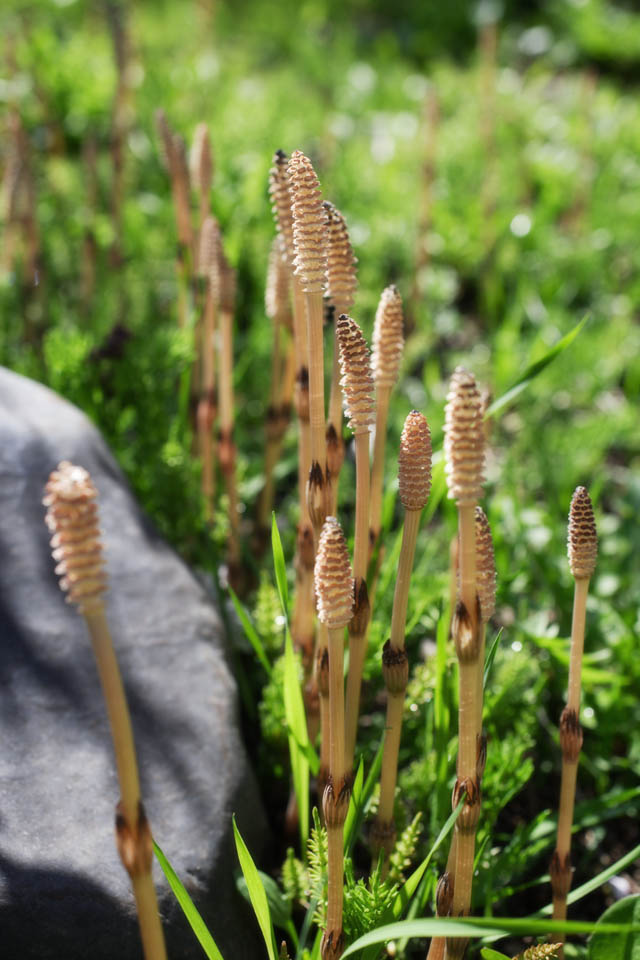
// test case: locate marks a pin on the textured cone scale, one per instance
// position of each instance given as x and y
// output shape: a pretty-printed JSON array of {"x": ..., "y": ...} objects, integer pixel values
[
  {"x": 200, "y": 159},
  {"x": 357, "y": 382},
  {"x": 414, "y": 462},
  {"x": 388, "y": 338},
  {"x": 281, "y": 203},
  {"x": 464, "y": 439},
  {"x": 333, "y": 579},
  {"x": 341, "y": 263},
  {"x": 583, "y": 540},
  {"x": 72, "y": 518},
  {"x": 309, "y": 224},
  {"x": 485, "y": 566},
  {"x": 209, "y": 246},
  {"x": 276, "y": 295}
]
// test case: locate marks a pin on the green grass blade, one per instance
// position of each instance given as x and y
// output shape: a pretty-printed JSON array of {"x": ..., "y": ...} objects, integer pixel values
[
  {"x": 488, "y": 954},
  {"x": 298, "y": 738},
  {"x": 534, "y": 369},
  {"x": 196, "y": 922},
  {"x": 479, "y": 927},
  {"x": 257, "y": 893},
  {"x": 367, "y": 790},
  {"x": 355, "y": 806},
  {"x": 490, "y": 658},
  {"x": 279, "y": 567},
  {"x": 251, "y": 632},
  {"x": 597, "y": 881}
]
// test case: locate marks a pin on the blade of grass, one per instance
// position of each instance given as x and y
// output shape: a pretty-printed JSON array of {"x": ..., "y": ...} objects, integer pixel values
[
  {"x": 196, "y": 922},
  {"x": 298, "y": 738},
  {"x": 354, "y": 806},
  {"x": 257, "y": 893},
  {"x": 279, "y": 567},
  {"x": 597, "y": 881},
  {"x": 251, "y": 633},
  {"x": 367, "y": 790},
  {"x": 491, "y": 657},
  {"x": 534, "y": 369},
  {"x": 479, "y": 927}
]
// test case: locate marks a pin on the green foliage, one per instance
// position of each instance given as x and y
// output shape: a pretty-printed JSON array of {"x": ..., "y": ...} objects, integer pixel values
[
  {"x": 267, "y": 614},
  {"x": 366, "y": 901},
  {"x": 317, "y": 864},
  {"x": 256, "y": 893},
  {"x": 612, "y": 946},
  {"x": 404, "y": 852}
]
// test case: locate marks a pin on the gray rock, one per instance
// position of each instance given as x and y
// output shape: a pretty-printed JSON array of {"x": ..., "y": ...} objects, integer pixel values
[{"x": 63, "y": 891}]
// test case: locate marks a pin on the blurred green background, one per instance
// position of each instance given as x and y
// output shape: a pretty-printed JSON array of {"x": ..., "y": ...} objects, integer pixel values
[{"x": 486, "y": 158}]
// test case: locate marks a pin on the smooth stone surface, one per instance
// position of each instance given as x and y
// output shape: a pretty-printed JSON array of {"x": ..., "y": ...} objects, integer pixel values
[{"x": 63, "y": 891}]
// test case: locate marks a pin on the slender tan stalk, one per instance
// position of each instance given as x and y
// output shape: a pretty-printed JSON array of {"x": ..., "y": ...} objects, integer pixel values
[
  {"x": 357, "y": 384},
  {"x": 226, "y": 445},
  {"x": 414, "y": 470},
  {"x": 388, "y": 344},
  {"x": 341, "y": 288},
  {"x": 201, "y": 170},
  {"x": 310, "y": 264},
  {"x": 582, "y": 549},
  {"x": 208, "y": 267},
  {"x": 72, "y": 518},
  {"x": 464, "y": 453},
  {"x": 174, "y": 155},
  {"x": 334, "y": 592},
  {"x": 278, "y": 310}
]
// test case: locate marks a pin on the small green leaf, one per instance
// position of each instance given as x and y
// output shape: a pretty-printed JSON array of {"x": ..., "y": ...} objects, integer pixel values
[
  {"x": 279, "y": 566},
  {"x": 196, "y": 922},
  {"x": 618, "y": 946},
  {"x": 488, "y": 954},
  {"x": 298, "y": 738},
  {"x": 257, "y": 894},
  {"x": 251, "y": 633},
  {"x": 534, "y": 369},
  {"x": 355, "y": 802},
  {"x": 491, "y": 657}
]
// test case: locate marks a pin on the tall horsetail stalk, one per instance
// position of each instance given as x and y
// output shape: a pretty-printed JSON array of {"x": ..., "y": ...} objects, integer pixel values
[
  {"x": 226, "y": 444},
  {"x": 582, "y": 550},
  {"x": 334, "y": 590},
  {"x": 388, "y": 345},
  {"x": 341, "y": 289},
  {"x": 310, "y": 264},
  {"x": 302, "y": 621},
  {"x": 357, "y": 384},
  {"x": 174, "y": 152},
  {"x": 278, "y": 310},
  {"x": 201, "y": 169},
  {"x": 464, "y": 456},
  {"x": 208, "y": 266},
  {"x": 72, "y": 518},
  {"x": 414, "y": 476}
]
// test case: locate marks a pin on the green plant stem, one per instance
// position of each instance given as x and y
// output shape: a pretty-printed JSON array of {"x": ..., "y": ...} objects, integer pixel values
[
  {"x": 138, "y": 861},
  {"x": 577, "y": 643},
  {"x": 336, "y": 797},
  {"x": 383, "y": 394}
]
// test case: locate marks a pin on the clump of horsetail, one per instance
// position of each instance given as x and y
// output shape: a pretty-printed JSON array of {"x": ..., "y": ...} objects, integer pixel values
[
  {"x": 582, "y": 550},
  {"x": 302, "y": 621},
  {"x": 341, "y": 288},
  {"x": 357, "y": 384},
  {"x": 208, "y": 266},
  {"x": 414, "y": 476},
  {"x": 388, "y": 344},
  {"x": 334, "y": 590},
  {"x": 226, "y": 444},
  {"x": 464, "y": 467},
  {"x": 310, "y": 264},
  {"x": 278, "y": 310},
  {"x": 72, "y": 518}
]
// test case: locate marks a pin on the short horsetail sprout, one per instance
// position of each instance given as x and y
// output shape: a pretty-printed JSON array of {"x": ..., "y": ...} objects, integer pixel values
[
  {"x": 208, "y": 259},
  {"x": 341, "y": 289},
  {"x": 72, "y": 518},
  {"x": 357, "y": 385},
  {"x": 201, "y": 168},
  {"x": 414, "y": 474},
  {"x": 464, "y": 454},
  {"x": 310, "y": 265},
  {"x": 334, "y": 591},
  {"x": 282, "y": 373},
  {"x": 388, "y": 344},
  {"x": 582, "y": 550},
  {"x": 226, "y": 445}
]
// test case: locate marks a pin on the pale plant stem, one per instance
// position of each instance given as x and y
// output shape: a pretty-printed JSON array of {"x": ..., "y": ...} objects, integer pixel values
[
  {"x": 337, "y": 769},
  {"x": 316, "y": 379},
  {"x": 577, "y": 643},
  {"x": 335, "y": 405},
  {"x": 480, "y": 678},
  {"x": 403, "y": 577},
  {"x": 389, "y": 771},
  {"x": 453, "y": 576},
  {"x": 206, "y": 444},
  {"x": 358, "y": 641},
  {"x": 128, "y": 777},
  {"x": 383, "y": 394}
]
